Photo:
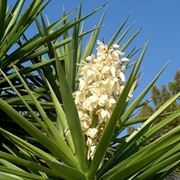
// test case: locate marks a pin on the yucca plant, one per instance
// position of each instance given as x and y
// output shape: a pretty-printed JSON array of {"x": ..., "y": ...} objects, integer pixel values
[{"x": 64, "y": 110}]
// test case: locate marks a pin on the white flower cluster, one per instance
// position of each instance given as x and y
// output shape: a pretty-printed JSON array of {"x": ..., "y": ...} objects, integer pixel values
[{"x": 101, "y": 81}]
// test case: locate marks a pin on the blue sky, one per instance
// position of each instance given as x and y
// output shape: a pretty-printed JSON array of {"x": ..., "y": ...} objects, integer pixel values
[{"x": 158, "y": 18}]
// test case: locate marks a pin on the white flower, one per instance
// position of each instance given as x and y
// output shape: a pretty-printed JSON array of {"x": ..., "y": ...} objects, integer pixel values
[
  {"x": 90, "y": 76},
  {"x": 90, "y": 58},
  {"x": 79, "y": 97},
  {"x": 113, "y": 71},
  {"x": 124, "y": 59},
  {"x": 103, "y": 99},
  {"x": 92, "y": 132},
  {"x": 115, "y": 54},
  {"x": 115, "y": 46},
  {"x": 111, "y": 102},
  {"x": 101, "y": 49},
  {"x": 90, "y": 103},
  {"x": 101, "y": 81},
  {"x": 123, "y": 68},
  {"x": 85, "y": 125},
  {"x": 121, "y": 89},
  {"x": 85, "y": 117},
  {"x": 122, "y": 77},
  {"x": 91, "y": 151},
  {"x": 95, "y": 90},
  {"x": 121, "y": 53},
  {"x": 105, "y": 70},
  {"x": 103, "y": 115},
  {"x": 89, "y": 141},
  {"x": 82, "y": 83}
]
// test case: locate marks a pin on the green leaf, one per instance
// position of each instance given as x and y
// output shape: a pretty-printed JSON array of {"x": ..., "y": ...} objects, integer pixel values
[
  {"x": 24, "y": 144},
  {"x": 73, "y": 62},
  {"x": 124, "y": 34},
  {"x": 43, "y": 50},
  {"x": 136, "y": 102},
  {"x": 72, "y": 118},
  {"x": 142, "y": 119},
  {"x": 67, "y": 172},
  {"x": 14, "y": 13},
  {"x": 57, "y": 169},
  {"x": 31, "y": 68},
  {"x": 89, "y": 47},
  {"x": 10, "y": 165},
  {"x": 3, "y": 6},
  {"x": 123, "y": 48},
  {"x": 55, "y": 135},
  {"x": 157, "y": 127},
  {"x": 143, "y": 157},
  {"x": 26, "y": 104},
  {"x": 7, "y": 176},
  {"x": 29, "y": 47},
  {"x": 21, "y": 174},
  {"x": 47, "y": 70},
  {"x": 60, "y": 152},
  {"x": 116, "y": 34},
  {"x": 136, "y": 138},
  {"x": 152, "y": 117},
  {"x": 26, "y": 19},
  {"x": 61, "y": 119},
  {"x": 174, "y": 150}
]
